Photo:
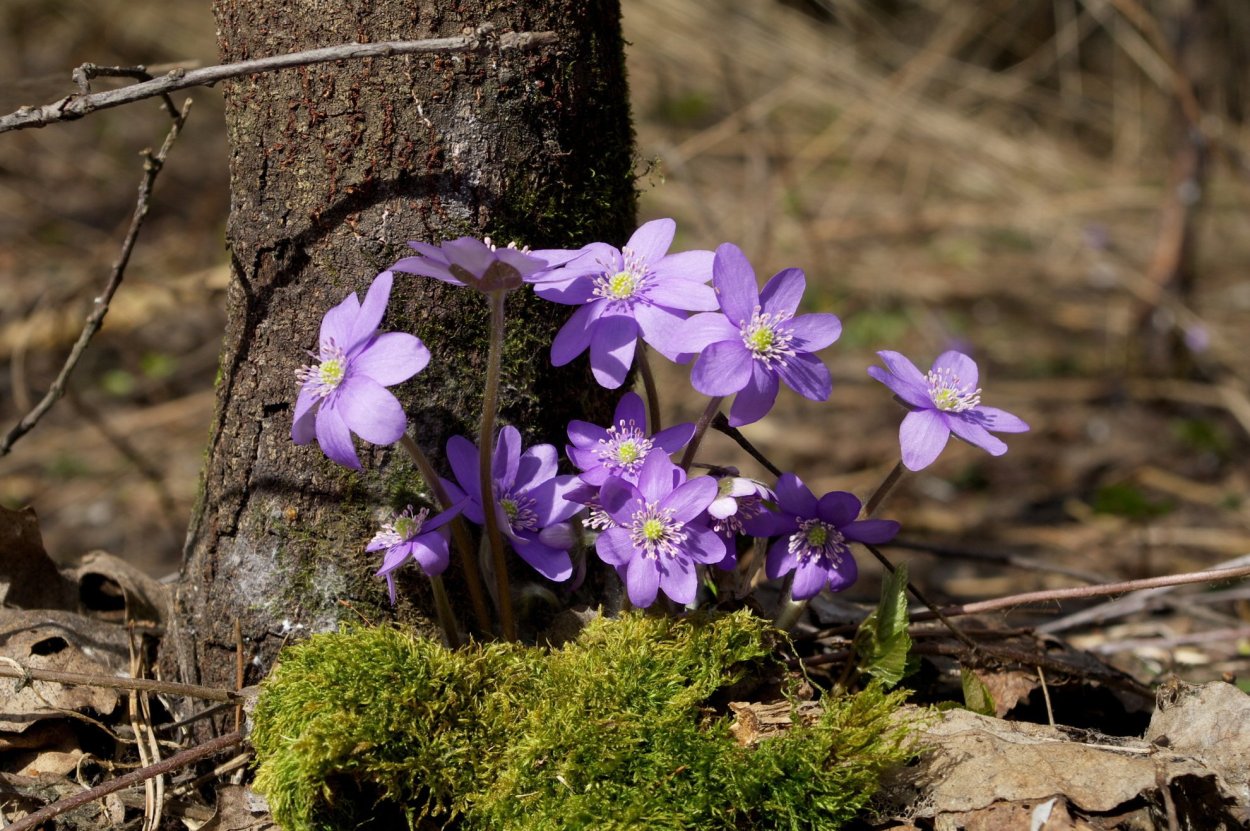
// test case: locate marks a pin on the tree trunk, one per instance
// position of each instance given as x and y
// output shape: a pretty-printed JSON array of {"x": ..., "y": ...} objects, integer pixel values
[{"x": 333, "y": 168}]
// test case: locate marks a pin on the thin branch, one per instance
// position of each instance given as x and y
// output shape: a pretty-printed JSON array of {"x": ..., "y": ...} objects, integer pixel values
[
  {"x": 151, "y": 169},
  {"x": 28, "y": 674},
  {"x": 1082, "y": 592},
  {"x": 721, "y": 424},
  {"x": 76, "y": 106},
  {"x": 175, "y": 762}
]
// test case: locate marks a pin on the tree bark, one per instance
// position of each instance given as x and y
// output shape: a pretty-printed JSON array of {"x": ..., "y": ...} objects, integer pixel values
[{"x": 333, "y": 168}]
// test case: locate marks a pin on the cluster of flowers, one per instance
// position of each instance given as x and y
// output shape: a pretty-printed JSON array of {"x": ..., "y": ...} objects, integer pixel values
[{"x": 656, "y": 524}]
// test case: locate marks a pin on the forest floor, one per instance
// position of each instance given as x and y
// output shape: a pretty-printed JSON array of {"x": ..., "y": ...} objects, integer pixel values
[{"x": 1011, "y": 180}]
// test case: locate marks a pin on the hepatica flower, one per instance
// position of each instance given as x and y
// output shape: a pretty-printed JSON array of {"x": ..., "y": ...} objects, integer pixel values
[
  {"x": 619, "y": 449},
  {"x": 814, "y": 537},
  {"x": 344, "y": 392},
  {"x": 945, "y": 400},
  {"x": 531, "y": 500},
  {"x": 413, "y": 536},
  {"x": 481, "y": 264},
  {"x": 738, "y": 500},
  {"x": 756, "y": 338},
  {"x": 639, "y": 289},
  {"x": 660, "y": 533}
]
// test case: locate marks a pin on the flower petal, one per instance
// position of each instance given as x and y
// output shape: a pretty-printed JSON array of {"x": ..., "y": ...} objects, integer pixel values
[
  {"x": 960, "y": 366},
  {"x": 689, "y": 500},
  {"x": 1000, "y": 421},
  {"x": 574, "y": 336},
  {"x": 838, "y": 508},
  {"x": 688, "y": 295},
  {"x": 674, "y": 438},
  {"x": 507, "y": 457},
  {"x": 914, "y": 395},
  {"x": 391, "y": 358},
  {"x": 559, "y": 536},
  {"x": 338, "y": 323},
  {"x": 973, "y": 433},
  {"x": 612, "y": 349},
  {"x": 688, "y": 266},
  {"x": 432, "y": 553},
  {"x": 463, "y": 458},
  {"x": 629, "y": 408},
  {"x": 808, "y": 376},
  {"x": 735, "y": 283},
  {"x": 874, "y": 531},
  {"x": 371, "y": 311},
  {"x": 652, "y": 239},
  {"x": 679, "y": 580},
  {"x": 705, "y": 545},
  {"x": 809, "y": 579},
  {"x": 550, "y": 500},
  {"x": 427, "y": 267},
  {"x": 843, "y": 575},
  {"x": 900, "y": 366},
  {"x": 921, "y": 436},
  {"x": 303, "y": 429},
  {"x": 537, "y": 465},
  {"x": 770, "y": 524},
  {"x": 334, "y": 438},
  {"x": 794, "y": 497},
  {"x": 781, "y": 560},
  {"x": 614, "y": 546},
  {"x": 552, "y": 563},
  {"x": 658, "y": 476},
  {"x": 815, "y": 331},
  {"x": 620, "y": 499},
  {"x": 722, "y": 369},
  {"x": 755, "y": 399},
  {"x": 642, "y": 581},
  {"x": 370, "y": 411},
  {"x": 586, "y": 436},
  {"x": 660, "y": 327},
  {"x": 784, "y": 291}
]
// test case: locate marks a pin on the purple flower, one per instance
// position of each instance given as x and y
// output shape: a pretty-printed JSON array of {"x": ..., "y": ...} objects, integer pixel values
[
  {"x": 755, "y": 339},
  {"x": 946, "y": 400},
  {"x": 620, "y": 449},
  {"x": 814, "y": 536},
  {"x": 345, "y": 392},
  {"x": 738, "y": 500},
  {"x": 659, "y": 533},
  {"x": 469, "y": 261},
  {"x": 639, "y": 288},
  {"x": 411, "y": 535},
  {"x": 531, "y": 500}
]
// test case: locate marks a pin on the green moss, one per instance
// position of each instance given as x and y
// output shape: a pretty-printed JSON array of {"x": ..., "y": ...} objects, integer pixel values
[{"x": 372, "y": 727}]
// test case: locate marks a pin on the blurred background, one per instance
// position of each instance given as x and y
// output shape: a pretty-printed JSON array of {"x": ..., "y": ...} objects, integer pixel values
[{"x": 1058, "y": 187}]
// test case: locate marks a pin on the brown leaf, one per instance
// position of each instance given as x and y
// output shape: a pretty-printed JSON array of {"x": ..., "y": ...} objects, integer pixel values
[
  {"x": 28, "y": 577},
  {"x": 1008, "y": 687},
  {"x": 113, "y": 589},
  {"x": 240, "y": 809},
  {"x": 1210, "y": 722}
]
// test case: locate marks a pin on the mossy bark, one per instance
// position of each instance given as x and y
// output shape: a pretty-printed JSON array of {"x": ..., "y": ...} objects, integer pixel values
[{"x": 333, "y": 168}]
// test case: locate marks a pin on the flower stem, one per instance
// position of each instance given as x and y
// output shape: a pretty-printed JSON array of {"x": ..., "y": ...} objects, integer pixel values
[
  {"x": 700, "y": 427},
  {"x": 459, "y": 532},
  {"x": 648, "y": 383},
  {"x": 446, "y": 618},
  {"x": 878, "y": 496},
  {"x": 789, "y": 610},
  {"x": 486, "y": 454}
]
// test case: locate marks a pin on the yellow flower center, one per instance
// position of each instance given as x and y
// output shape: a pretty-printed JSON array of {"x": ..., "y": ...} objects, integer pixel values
[
  {"x": 653, "y": 530},
  {"x": 817, "y": 535},
  {"x": 331, "y": 372},
  {"x": 622, "y": 285}
]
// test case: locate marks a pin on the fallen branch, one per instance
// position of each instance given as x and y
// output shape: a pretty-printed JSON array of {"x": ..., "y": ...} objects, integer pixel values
[
  {"x": 78, "y": 105},
  {"x": 135, "y": 777},
  {"x": 84, "y": 679},
  {"x": 151, "y": 169}
]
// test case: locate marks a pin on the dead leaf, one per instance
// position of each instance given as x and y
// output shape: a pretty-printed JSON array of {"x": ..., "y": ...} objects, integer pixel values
[
  {"x": 113, "y": 589},
  {"x": 1008, "y": 687},
  {"x": 240, "y": 809},
  {"x": 28, "y": 577},
  {"x": 1210, "y": 722}
]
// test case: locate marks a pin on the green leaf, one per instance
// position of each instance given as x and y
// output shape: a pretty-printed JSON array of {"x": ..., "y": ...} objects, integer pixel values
[
  {"x": 977, "y": 696},
  {"x": 882, "y": 642}
]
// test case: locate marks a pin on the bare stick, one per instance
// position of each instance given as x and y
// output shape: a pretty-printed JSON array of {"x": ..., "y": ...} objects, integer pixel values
[
  {"x": 151, "y": 168},
  {"x": 175, "y": 762},
  {"x": 721, "y": 424},
  {"x": 76, "y": 106},
  {"x": 16, "y": 670},
  {"x": 1081, "y": 592}
]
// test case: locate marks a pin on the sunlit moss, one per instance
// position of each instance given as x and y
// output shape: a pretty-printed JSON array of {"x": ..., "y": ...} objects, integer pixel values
[{"x": 373, "y": 727}]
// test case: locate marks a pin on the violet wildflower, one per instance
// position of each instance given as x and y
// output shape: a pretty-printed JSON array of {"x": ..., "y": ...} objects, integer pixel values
[
  {"x": 660, "y": 533},
  {"x": 945, "y": 400},
  {"x": 756, "y": 339},
  {"x": 413, "y": 536},
  {"x": 620, "y": 449},
  {"x": 814, "y": 537},
  {"x": 344, "y": 392},
  {"x": 738, "y": 500},
  {"x": 531, "y": 500},
  {"x": 479, "y": 263},
  {"x": 624, "y": 292}
]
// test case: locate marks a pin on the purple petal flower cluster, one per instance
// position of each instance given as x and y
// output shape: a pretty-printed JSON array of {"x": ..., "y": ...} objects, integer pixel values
[
  {"x": 619, "y": 449},
  {"x": 481, "y": 264},
  {"x": 755, "y": 339},
  {"x": 945, "y": 400},
  {"x": 659, "y": 533},
  {"x": 345, "y": 391},
  {"x": 531, "y": 500},
  {"x": 413, "y": 536},
  {"x": 814, "y": 536},
  {"x": 621, "y": 293}
]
